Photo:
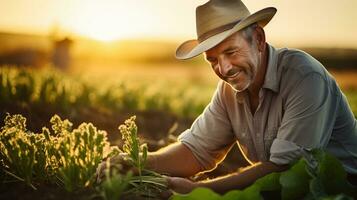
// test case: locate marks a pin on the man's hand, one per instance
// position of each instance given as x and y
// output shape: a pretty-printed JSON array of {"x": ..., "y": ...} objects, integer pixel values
[
  {"x": 181, "y": 185},
  {"x": 119, "y": 162}
]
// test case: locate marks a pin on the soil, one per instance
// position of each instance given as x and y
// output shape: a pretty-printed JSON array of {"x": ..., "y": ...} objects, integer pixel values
[{"x": 21, "y": 191}]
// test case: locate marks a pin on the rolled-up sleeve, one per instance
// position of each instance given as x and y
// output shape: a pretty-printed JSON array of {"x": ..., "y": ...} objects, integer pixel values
[
  {"x": 210, "y": 136},
  {"x": 308, "y": 120}
]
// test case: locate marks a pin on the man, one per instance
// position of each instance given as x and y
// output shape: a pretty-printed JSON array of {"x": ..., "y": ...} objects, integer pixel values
[{"x": 276, "y": 104}]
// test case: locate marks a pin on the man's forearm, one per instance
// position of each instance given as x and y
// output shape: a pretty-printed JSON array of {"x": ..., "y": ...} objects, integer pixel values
[
  {"x": 242, "y": 179},
  {"x": 174, "y": 160}
]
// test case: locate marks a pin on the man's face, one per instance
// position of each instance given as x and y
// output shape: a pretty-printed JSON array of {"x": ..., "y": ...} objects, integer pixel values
[{"x": 235, "y": 61}]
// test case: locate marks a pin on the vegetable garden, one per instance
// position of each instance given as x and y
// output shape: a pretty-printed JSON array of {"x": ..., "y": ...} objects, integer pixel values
[{"x": 55, "y": 158}]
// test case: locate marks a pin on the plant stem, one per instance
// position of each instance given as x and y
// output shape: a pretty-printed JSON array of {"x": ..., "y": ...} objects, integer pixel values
[{"x": 20, "y": 179}]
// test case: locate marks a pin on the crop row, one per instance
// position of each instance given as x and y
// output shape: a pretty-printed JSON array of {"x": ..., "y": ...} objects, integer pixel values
[{"x": 67, "y": 93}]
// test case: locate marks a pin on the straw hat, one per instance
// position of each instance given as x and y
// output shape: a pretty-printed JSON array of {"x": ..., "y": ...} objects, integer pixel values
[{"x": 218, "y": 19}]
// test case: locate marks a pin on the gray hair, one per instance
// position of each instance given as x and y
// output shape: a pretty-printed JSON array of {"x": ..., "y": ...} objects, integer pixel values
[{"x": 247, "y": 32}]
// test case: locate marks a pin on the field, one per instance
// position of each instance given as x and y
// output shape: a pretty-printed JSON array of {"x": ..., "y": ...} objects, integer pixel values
[{"x": 165, "y": 99}]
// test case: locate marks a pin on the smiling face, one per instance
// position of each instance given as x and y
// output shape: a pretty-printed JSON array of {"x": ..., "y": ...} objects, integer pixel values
[{"x": 236, "y": 60}]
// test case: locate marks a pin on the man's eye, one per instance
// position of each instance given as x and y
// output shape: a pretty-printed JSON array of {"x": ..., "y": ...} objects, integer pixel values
[
  {"x": 212, "y": 61},
  {"x": 231, "y": 53}
]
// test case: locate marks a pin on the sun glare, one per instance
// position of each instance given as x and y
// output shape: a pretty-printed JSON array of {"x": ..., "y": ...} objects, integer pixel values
[
  {"x": 99, "y": 21},
  {"x": 104, "y": 33}
]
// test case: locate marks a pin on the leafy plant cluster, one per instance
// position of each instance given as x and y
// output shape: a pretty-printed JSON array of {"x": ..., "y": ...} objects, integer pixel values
[
  {"x": 70, "y": 157},
  {"x": 319, "y": 175},
  {"x": 34, "y": 88},
  {"x": 64, "y": 156}
]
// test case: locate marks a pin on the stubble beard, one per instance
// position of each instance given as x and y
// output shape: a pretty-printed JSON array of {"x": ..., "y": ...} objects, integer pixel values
[
  {"x": 237, "y": 84},
  {"x": 250, "y": 76}
]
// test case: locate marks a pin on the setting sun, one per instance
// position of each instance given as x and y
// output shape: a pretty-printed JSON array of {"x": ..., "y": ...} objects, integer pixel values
[
  {"x": 100, "y": 21},
  {"x": 99, "y": 28},
  {"x": 114, "y": 20}
]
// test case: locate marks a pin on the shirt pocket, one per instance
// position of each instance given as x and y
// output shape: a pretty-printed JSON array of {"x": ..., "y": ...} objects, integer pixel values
[{"x": 269, "y": 137}]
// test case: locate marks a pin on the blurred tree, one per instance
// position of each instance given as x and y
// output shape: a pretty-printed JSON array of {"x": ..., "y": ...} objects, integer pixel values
[{"x": 61, "y": 53}]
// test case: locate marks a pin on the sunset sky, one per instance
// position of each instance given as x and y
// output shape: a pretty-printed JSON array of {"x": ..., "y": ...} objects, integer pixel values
[{"x": 327, "y": 23}]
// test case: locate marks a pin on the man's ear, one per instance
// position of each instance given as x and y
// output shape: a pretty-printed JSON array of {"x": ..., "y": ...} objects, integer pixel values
[{"x": 260, "y": 38}]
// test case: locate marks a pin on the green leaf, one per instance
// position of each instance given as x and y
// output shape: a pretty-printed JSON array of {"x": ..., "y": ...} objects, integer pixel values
[
  {"x": 250, "y": 194},
  {"x": 234, "y": 194},
  {"x": 198, "y": 194},
  {"x": 332, "y": 175},
  {"x": 295, "y": 181},
  {"x": 269, "y": 182},
  {"x": 144, "y": 148}
]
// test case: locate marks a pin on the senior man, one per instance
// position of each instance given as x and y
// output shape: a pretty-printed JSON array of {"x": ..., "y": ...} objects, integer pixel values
[{"x": 276, "y": 104}]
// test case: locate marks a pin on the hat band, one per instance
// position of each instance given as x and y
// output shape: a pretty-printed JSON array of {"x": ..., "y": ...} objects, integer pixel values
[{"x": 217, "y": 30}]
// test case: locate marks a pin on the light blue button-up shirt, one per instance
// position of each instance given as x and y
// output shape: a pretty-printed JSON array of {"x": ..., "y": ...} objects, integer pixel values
[{"x": 300, "y": 108}]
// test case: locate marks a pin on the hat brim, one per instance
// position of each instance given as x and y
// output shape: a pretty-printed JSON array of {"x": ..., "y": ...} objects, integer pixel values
[{"x": 193, "y": 48}]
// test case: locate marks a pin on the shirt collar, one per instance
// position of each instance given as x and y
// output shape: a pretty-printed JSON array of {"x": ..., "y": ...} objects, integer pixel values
[{"x": 271, "y": 75}]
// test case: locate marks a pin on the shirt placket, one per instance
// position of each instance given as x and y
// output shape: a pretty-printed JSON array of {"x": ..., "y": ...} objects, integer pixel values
[
  {"x": 248, "y": 133},
  {"x": 258, "y": 128}
]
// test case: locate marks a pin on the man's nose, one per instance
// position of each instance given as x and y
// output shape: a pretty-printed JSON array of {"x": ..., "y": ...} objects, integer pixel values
[{"x": 224, "y": 67}]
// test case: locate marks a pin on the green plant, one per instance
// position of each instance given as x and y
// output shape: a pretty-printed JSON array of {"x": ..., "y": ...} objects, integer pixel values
[
  {"x": 321, "y": 177},
  {"x": 147, "y": 183},
  {"x": 114, "y": 184},
  {"x": 63, "y": 156},
  {"x": 137, "y": 153},
  {"x": 17, "y": 151},
  {"x": 79, "y": 152}
]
